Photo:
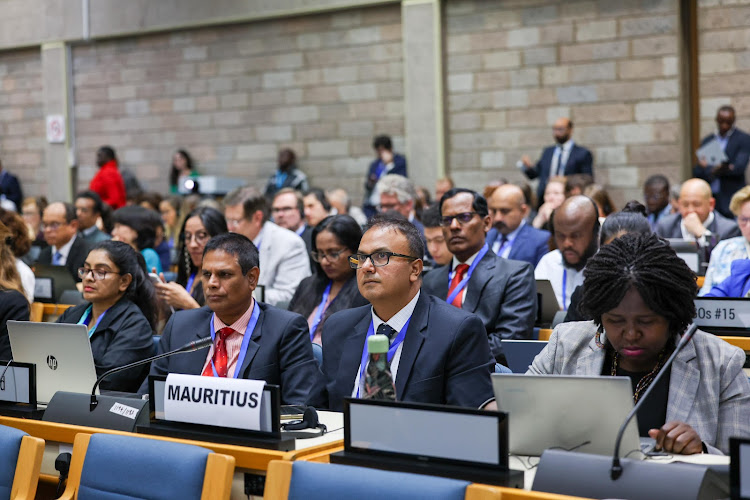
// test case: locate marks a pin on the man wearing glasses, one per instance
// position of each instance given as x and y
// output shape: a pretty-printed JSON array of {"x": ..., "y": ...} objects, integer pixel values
[
  {"x": 438, "y": 354},
  {"x": 283, "y": 256},
  {"x": 60, "y": 232},
  {"x": 502, "y": 292}
]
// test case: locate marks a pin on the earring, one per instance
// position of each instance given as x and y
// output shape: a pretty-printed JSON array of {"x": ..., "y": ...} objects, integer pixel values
[
  {"x": 601, "y": 337},
  {"x": 187, "y": 262}
]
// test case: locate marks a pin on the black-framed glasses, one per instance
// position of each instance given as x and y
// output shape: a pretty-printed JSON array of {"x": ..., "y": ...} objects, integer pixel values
[
  {"x": 201, "y": 237},
  {"x": 98, "y": 274},
  {"x": 379, "y": 259},
  {"x": 462, "y": 218},
  {"x": 331, "y": 256}
]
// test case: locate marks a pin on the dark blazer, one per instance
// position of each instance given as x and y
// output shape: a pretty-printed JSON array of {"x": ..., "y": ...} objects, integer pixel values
[
  {"x": 307, "y": 238},
  {"x": 123, "y": 336},
  {"x": 13, "y": 306},
  {"x": 721, "y": 229},
  {"x": 76, "y": 257},
  {"x": 279, "y": 351},
  {"x": 399, "y": 168},
  {"x": 501, "y": 292},
  {"x": 529, "y": 246},
  {"x": 312, "y": 286},
  {"x": 11, "y": 188},
  {"x": 579, "y": 161},
  {"x": 445, "y": 357},
  {"x": 730, "y": 181}
]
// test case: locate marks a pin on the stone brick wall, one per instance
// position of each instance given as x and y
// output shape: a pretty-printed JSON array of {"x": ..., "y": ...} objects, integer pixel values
[
  {"x": 233, "y": 95},
  {"x": 513, "y": 67},
  {"x": 724, "y": 61},
  {"x": 22, "y": 125}
]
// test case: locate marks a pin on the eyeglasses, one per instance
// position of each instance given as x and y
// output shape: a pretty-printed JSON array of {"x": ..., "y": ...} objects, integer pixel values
[
  {"x": 98, "y": 274},
  {"x": 201, "y": 237},
  {"x": 379, "y": 259},
  {"x": 743, "y": 221},
  {"x": 387, "y": 207},
  {"x": 54, "y": 226},
  {"x": 234, "y": 222},
  {"x": 463, "y": 218},
  {"x": 331, "y": 256},
  {"x": 277, "y": 210}
]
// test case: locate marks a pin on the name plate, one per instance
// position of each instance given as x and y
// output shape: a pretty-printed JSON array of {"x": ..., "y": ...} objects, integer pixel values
[
  {"x": 726, "y": 313},
  {"x": 219, "y": 401},
  {"x": 17, "y": 385}
]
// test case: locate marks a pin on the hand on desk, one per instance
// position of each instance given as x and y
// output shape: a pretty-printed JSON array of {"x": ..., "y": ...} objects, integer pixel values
[{"x": 677, "y": 437}]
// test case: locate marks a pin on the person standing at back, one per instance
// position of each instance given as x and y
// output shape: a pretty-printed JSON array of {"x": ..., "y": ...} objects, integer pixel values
[
  {"x": 107, "y": 182},
  {"x": 386, "y": 162}
]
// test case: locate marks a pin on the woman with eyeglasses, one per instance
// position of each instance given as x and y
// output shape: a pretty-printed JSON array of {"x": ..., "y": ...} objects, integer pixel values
[
  {"x": 200, "y": 225},
  {"x": 333, "y": 284},
  {"x": 119, "y": 312}
]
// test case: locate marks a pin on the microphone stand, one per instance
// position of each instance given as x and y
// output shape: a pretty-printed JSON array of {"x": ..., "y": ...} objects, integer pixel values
[
  {"x": 616, "y": 469},
  {"x": 189, "y": 347}
]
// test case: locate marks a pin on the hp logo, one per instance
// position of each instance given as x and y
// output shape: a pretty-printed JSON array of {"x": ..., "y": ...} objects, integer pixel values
[{"x": 52, "y": 362}]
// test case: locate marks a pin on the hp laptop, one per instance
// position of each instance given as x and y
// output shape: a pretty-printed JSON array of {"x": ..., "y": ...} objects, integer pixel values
[
  {"x": 567, "y": 412},
  {"x": 520, "y": 353},
  {"x": 61, "y": 352}
]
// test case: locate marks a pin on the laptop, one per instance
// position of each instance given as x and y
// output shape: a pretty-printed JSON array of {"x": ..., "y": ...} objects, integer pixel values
[
  {"x": 61, "y": 352},
  {"x": 51, "y": 282},
  {"x": 520, "y": 353},
  {"x": 574, "y": 413},
  {"x": 547, "y": 306},
  {"x": 690, "y": 252}
]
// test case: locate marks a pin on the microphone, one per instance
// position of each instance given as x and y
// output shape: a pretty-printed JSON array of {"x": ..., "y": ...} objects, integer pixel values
[
  {"x": 195, "y": 345},
  {"x": 616, "y": 470}
]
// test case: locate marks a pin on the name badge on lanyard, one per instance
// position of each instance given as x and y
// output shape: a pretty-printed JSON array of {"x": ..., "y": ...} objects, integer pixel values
[
  {"x": 245, "y": 340},
  {"x": 466, "y": 279},
  {"x": 320, "y": 311},
  {"x": 391, "y": 350},
  {"x": 86, "y": 318}
]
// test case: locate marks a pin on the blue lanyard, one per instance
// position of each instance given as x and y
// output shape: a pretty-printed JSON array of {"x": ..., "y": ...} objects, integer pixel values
[
  {"x": 464, "y": 281},
  {"x": 245, "y": 340},
  {"x": 565, "y": 279},
  {"x": 190, "y": 283},
  {"x": 391, "y": 350},
  {"x": 87, "y": 317},
  {"x": 280, "y": 178},
  {"x": 320, "y": 311}
]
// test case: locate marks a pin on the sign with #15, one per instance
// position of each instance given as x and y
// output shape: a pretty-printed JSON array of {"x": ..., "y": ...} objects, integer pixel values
[{"x": 725, "y": 313}]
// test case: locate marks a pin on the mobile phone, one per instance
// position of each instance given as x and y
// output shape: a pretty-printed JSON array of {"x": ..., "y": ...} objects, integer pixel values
[{"x": 154, "y": 277}]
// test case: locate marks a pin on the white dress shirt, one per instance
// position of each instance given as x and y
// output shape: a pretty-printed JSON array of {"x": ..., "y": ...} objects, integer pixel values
[
  {"x": 64, "y": 251},
  {"x": 551, "y": 268}
]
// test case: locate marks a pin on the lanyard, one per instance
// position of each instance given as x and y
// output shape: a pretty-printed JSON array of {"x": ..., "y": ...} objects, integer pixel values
[
  {"x": 564, "y": 280},
  {"x": 391, "y": 350},
  {"x": 380, "y": 169},
  {"x": 320, "y": 311},
  {"x": 464, "y": 281},
  {"x": 190, "y": 282},
  {"x": 87, "y": 317},
  {"x": 280, "y": 178},
  {"x": 245, "y": 340}
]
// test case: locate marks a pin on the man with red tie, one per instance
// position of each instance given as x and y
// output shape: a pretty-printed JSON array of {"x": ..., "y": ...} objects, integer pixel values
[
  {"x": 502, "y": 292},
  {"x": 252, "y": 340}
]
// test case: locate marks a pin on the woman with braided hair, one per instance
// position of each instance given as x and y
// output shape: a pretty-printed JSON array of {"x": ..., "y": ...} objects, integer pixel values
[{"x": 640, "y": 296}]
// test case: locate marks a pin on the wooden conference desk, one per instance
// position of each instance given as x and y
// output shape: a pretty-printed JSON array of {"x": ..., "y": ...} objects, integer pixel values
[{"x": 59, "y": 439}]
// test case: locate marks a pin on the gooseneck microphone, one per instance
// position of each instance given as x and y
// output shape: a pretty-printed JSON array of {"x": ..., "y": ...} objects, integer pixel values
[
  {"x": 189, "y": 347},
  {"x": 616, "y": 469}
]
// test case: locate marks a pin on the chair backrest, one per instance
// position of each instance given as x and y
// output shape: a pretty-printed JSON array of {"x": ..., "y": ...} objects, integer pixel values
[
  {"x": 314, "y": 481},
  {"x": 107, "y": 466},
  {"x": 20, "y": 465},
  {"x": 318, "y": 353},
  {"x": 36, "y": 313}
]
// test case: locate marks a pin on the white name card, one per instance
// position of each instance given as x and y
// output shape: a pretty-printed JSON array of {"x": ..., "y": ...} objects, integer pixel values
[
  {"x": 223, "y": 402},
  {"x": 727, "y": 313}
]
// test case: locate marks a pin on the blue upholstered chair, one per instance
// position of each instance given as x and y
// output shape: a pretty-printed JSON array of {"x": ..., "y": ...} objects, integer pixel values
[
  {"x": 20, "y": 464},
  {"x": 315, "y": 481},
  {"x": 318, "y": 353},
  {"x": 107, "y": 466}
]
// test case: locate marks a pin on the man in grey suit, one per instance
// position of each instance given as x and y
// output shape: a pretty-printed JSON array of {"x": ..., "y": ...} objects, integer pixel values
[
  {"x": 697, "y": 219},
  {"x": 284, "y": 262},
  {"x": 502, "y": 292},
  {"x": 88, "y": 209},
  {"x": 278, "y": 350}
]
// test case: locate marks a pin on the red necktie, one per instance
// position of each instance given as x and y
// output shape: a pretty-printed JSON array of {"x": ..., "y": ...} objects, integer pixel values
[
  {"x": 220, "y": 360},
  {"x": 460, "y": 272}
]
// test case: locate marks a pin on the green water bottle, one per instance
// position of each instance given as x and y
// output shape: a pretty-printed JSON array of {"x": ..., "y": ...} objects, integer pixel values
[{"x": 378, "y": 379}]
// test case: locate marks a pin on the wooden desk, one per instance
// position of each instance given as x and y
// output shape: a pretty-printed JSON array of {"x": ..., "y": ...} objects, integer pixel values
[{"x": 59, "y": 439}]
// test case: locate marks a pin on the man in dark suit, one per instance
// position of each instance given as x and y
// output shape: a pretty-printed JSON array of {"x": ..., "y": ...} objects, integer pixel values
[
  {"x": 443, "y": 356},
  {"x": 10, "y": 187},
  {"x": 387, "y": 162},
  {"x": 278, "y": 350},
  {"x": 697, "y": 219},
  {"x": 727, "y": 177},
  {"x": 501, "y": 292},
  {"x": 564, "y": 158},
  {"x": 511, "y": 237},
  {"x": 65, "y": 248}
]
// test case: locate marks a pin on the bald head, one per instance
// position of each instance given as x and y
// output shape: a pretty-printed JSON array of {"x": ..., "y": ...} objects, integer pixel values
[
  {"x": 695, "y": 197},
  {"x": 562, "y": 129},
  {"x": 575, "y": 225},
  {"x": 508, "y": 208}
]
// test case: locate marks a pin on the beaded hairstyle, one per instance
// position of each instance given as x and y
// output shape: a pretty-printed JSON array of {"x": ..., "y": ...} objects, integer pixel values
[{"x": 666, "y": 284}]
